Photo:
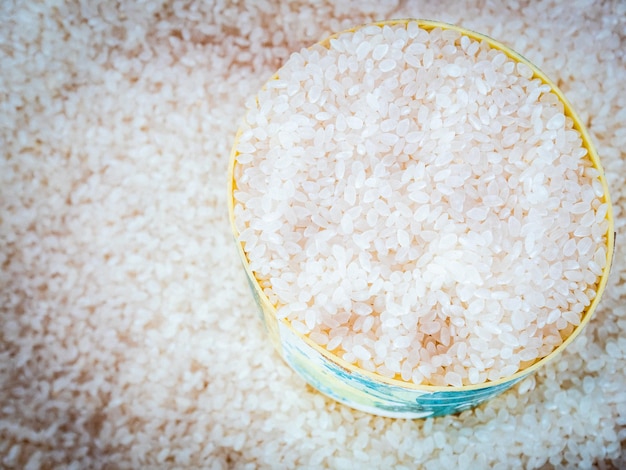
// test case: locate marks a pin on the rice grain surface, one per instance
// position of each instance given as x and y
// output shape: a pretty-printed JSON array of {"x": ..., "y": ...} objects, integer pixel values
[
  {"x": 128, "y": 335},
  {"x": 429, "y": 204}
]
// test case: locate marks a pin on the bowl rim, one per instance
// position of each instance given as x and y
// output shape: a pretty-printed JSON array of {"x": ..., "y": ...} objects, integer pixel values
[{"x": 591, "y": 154}]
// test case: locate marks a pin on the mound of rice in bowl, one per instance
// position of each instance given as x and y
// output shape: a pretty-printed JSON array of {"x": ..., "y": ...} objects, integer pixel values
[{"x": 420, "y": 204}]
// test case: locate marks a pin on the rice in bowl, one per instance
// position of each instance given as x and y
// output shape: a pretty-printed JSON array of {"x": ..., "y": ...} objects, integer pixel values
[{"x": 421, "y": 204}]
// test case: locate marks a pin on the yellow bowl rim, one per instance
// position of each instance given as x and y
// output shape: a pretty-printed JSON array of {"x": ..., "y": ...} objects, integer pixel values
[{"x": 592, "y": 154}]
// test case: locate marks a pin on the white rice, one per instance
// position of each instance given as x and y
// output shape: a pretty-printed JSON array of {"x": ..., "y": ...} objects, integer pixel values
[
  {"x": 128, "y": 335},
  {"x": 417, "y": 202}
]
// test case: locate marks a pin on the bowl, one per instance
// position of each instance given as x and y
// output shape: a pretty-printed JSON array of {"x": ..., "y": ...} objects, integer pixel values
[{"x": 371, "y": 391}]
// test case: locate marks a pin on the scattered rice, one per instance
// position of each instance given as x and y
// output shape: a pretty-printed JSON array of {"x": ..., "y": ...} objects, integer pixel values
[
  {"x": 128, "y": 335},
  {"x": 355, "y": 151}
]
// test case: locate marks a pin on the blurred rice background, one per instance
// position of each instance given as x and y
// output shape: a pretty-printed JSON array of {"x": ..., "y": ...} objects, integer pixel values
[{"x": 128, "y": 335}]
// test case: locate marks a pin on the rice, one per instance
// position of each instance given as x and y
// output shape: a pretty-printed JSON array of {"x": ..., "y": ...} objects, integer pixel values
[
  {"x": 128, "y": 335},
  {"x": 420, "y": 204}
]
